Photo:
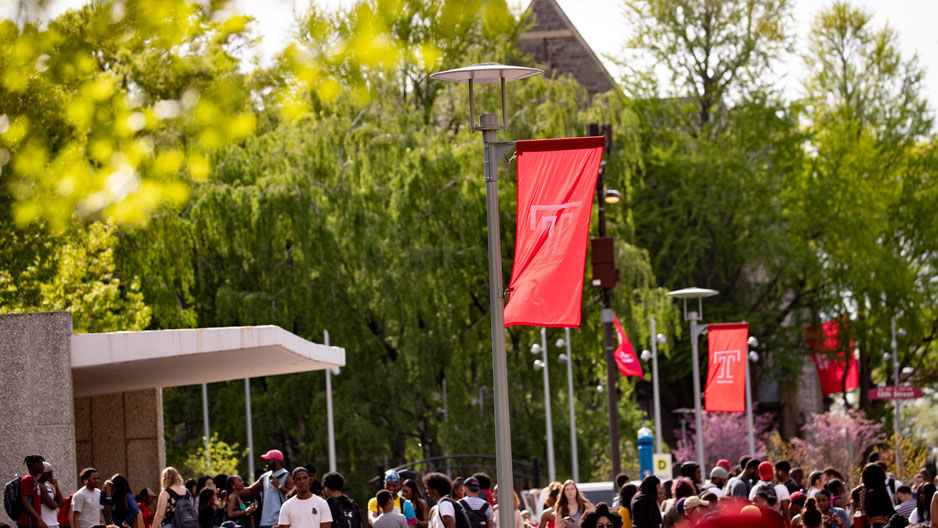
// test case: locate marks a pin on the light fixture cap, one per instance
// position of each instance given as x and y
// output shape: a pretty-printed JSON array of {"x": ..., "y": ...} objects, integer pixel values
[
  {"x": 646, "y": 355},
  {"x": 611, "y": 196},
  {"x": 536, "y": 348},
  {"x": 692, "y": 293},
  {"x": 538, "y": 364},
  {"x": 662, "y": 339},
  {"x": 486, "y": 73}
]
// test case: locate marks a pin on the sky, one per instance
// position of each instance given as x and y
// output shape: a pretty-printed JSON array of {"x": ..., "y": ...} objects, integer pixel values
[{"x": 603, "y": 25}]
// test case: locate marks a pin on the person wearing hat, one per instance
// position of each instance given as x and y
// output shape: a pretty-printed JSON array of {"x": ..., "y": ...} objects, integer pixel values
[
  {"x": 777, "y": 495},
  {"x": 480, "y": 514},
  {"x": 144, "y": 503},
  {"x": 718, "y": 478},
  {"x": 694, "y": 508},
  {"x": 392, "y": 483},
  {"x": 51, "y": 496},
  {"x": 273, "y": 487}
]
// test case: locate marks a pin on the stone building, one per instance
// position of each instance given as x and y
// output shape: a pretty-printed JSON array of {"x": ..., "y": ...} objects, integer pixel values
[{"x": 555, "y": 45}]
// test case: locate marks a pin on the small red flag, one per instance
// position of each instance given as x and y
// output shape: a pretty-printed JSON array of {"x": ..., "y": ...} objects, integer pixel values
[
  {"x": 726, "y": 372},
  {"x": 822, "y": 342},
  {"x": 556, "y": 183},
  {"x": 625, "y": 354}
]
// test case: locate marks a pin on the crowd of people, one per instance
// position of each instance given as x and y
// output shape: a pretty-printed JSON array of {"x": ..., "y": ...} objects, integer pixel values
[{"x": 757, "y": 492}]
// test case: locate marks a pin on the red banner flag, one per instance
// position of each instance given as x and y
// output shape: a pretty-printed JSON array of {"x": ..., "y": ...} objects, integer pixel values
[
  {"x": 726, "y": 374},
  {"x": 825, "y": 342},
  {"x": 556, "y": 183},
  {"x": 625, "y": 354}
]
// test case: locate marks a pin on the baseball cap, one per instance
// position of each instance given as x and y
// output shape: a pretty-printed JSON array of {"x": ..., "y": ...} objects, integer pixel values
[
  {"x": 719, "y": 472},
  {"x": 471, "y": 483},
  {"x": 724, "y": 463},
  {"x": 392, "y": 476},
  {"x": 273, "y": 454},
  {"x": 694, "y": 502},
  {"x": 680, "y": 504},
  {"x": 46, "y": 467},
  {"x": 751, "y": 511},
  {"x": 766, "y": 470},
  {"x": 148, "y": 492},
  {"x": 797, "y": 495}
]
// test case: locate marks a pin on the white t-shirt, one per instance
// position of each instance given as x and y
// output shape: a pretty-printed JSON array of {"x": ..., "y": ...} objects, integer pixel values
[
  {"x": 308, "y": 513},
  {"x": 88, "y": 505},
  {"x": 443, "y": 507},
  {"x": 49, "y": 516}
]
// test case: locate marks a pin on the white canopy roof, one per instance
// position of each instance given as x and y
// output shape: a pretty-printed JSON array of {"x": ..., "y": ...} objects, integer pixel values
[{"x": 126, "y": 361}]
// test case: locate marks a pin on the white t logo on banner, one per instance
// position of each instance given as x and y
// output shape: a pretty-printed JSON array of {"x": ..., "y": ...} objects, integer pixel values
[
  {"x": 552, "y": 218},
  {"x": 725, "y": 358}
]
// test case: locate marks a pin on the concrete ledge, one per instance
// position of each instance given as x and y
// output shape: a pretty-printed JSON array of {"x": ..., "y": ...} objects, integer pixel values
[{"x": 127, "y": 361}]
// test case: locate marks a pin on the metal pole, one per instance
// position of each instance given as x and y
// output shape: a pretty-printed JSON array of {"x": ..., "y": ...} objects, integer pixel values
[
  {"x": 897, "y": 425},
  {"x": 752, "y": 434},
  {"x": 698, "y": 415},
  {"x": 488, "y": 123},
  {"x": 551, "y": 468},
  {"x": 330, "y": 424},
  {"x": 250, "y": 429},
  {"x": 654, "y": 385},
  {"x": 208, "y": 452},
  {"x": 573, "y": 448},
  {"x": 609, "y": 342}
]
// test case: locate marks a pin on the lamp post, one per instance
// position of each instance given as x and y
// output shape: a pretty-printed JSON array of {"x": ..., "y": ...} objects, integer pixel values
[
  {"x": 330, "y": 423},
  {"x": 568, "y": 359},
  {"x": 250, "y": 429},
  {"x": 605, "y": 277},
  {"x": 493, "y": 150},
  {"x": 656, "y": 339},
  {"x": 541, "y": 364},
  {"x": 695, "y": 331},
  {"x": 751, "y": 356},
  {"x": 897, "y": 424},
  {"x": 208, "y": 451}
]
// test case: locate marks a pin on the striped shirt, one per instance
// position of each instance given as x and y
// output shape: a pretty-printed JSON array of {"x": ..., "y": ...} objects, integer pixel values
[{"x": 905, "y": 509}]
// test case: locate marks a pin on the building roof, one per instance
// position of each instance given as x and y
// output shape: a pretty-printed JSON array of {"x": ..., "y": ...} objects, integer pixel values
[
  {"x": 126, "y": 361},
  {"x": 557, "y": 46}
]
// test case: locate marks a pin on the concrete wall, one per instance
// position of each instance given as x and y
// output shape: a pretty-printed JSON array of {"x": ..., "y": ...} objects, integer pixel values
[
  {"x": 36, "y": 412},
  {"x": 122, "y": 433}
]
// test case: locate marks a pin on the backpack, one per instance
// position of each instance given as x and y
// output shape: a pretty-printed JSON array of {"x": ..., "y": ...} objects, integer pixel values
[
  {"x": 11, "y": 498},
  {"x": 477, "y": 518},
  {"x": 769, "y": 489},
  {"x": 461, "y": 520},
  {"x": 345, "y": 512},
  {"x": 64, "y": 511},
  {"x": 184, "y": 514}
]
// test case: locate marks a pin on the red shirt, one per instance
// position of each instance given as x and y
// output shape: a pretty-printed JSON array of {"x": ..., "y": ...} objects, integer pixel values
[
  {"x": 147, "y": 513},
  {"x": 29, "y": 488}
]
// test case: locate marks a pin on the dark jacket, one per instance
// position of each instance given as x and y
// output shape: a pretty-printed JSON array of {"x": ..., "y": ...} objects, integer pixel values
[{"x": 645, "y": 512}]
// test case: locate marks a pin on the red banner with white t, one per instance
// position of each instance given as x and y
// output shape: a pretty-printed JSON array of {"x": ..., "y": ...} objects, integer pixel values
[
  {"x": 556, "y": 183},
  {"x": 726, "y": 374},
  {"x": 829, "y": 356},
  {"x": 625, "y": 356}
]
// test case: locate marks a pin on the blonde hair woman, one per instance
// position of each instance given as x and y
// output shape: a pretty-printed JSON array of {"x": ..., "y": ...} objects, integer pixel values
[
  {"x": 571, "y": 505},
  {"x": 173, "y": 490}
]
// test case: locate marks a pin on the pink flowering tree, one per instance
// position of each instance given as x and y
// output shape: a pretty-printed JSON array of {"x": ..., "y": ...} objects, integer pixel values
[
  {"x": 726, "y": 435},
  {"x": 838, "y": 439}
]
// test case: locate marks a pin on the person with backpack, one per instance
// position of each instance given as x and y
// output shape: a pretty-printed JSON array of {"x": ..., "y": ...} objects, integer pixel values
[
  {"x": 345, "y": 512},
  {"x": 175, "y": 507},
  {"x": 22, "y": 497},
  {"x": 392, "y": 483},
  {"x": 273, "y": 486},
  {"x": 480, "y": 513},
  {"x": 86, "y": 505},
  {"x": 444, "y": 514},
  {"x": 777, "y": 495}
]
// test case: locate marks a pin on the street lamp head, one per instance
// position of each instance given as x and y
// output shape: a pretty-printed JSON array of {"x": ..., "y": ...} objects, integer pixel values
[
  {"x": 692, "y": 293},
  {"x": 560, "y": 343},
  {"x": 753, "y": 356},
  {"x": 901, "y": 332},
  {"x": 600, "y": 389},
  {"x": 646, "y": 355},
  {"x": 536, "y": 348},
  {"x": 662, "y": 339},
  {"x": 486, "y": 73},
  {"x": 753, "y": 342},
  {"x": 611, "y": 196},
  {"x": 538, "y": 364},
  {"x": 562, "y": 358},
  {"x": 335, "y": 371}
]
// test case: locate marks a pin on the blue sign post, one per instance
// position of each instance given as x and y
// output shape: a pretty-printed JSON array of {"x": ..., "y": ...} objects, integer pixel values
[{"x": 645, "y": 450}]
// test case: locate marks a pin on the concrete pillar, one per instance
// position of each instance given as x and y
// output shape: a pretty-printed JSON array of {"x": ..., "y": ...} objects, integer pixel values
[
  {"x": 36, "y": 411},
  {"x": 122, "y": 433}
]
